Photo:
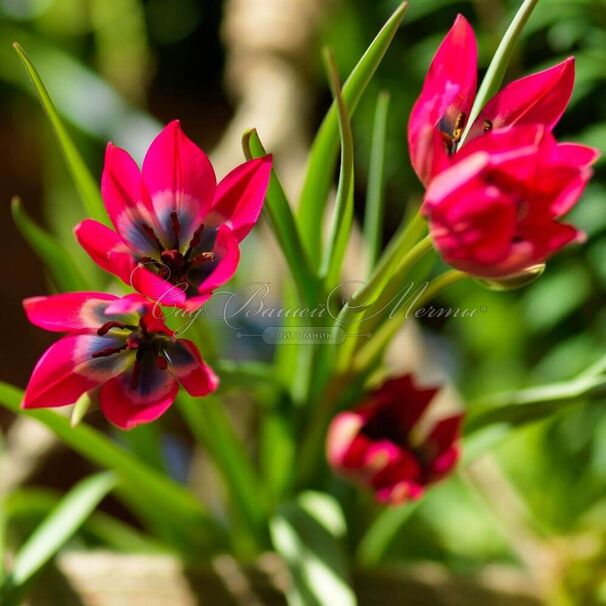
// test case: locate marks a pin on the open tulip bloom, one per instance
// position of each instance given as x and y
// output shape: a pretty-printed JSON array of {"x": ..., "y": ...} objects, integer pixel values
[
  {"x": 377, "y": 446},
  {"x": 177, "y": 232},
  {"x": 118, "y": 346},
  {"x": 439, "y": 116},
  {"x": 494, "y": 201},
  {"x": 496, "y": 211}
]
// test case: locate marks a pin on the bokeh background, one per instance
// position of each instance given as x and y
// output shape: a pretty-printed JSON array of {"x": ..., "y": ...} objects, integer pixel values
[{"x": 118, "y": 70}]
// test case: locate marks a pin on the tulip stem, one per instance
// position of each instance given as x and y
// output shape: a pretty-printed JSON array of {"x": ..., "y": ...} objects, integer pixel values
[
  {"x": 370, "y": 352},
  {"x": 498, "y": 66}
]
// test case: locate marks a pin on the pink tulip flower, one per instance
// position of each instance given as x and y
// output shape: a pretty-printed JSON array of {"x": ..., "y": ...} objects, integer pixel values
[
  {"x": 177, "y": 232},
  {"x": 119, "y": 347},
  {"x": 496, "y": 211},
  {"x": 439, "y": 116},
  {"x": 377, "y": 446}
]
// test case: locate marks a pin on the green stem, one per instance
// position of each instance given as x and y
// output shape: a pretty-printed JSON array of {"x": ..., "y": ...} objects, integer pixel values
[
  {"x": 212, "y": 429},
  {"x": 498, "y": 66},
  {"x": 375, "y": 347}
]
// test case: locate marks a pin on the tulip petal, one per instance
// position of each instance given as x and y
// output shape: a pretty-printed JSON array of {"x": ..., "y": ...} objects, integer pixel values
[
  {"x": 342, "y": 439},
  {"x": 180, "y": 179},
  {"x": 67, "y": 369},
  {"x": 444, "y": 433},
  {"x": 414, "y": 400},
  {"x": 187, "y": 366},
  {"x": 240, "y": 196},
  {"x": 126, "y": 402},
  {"x": 153, "y": 286},
  {"x": 573, "y": 154},
  {"x": 445, "y": 101},
  {"x": 127, "y": 201},
  {"x": 69, "y": 312},
  {"x": 540, "y": 98},
  {"x": 106, "y": 248}
]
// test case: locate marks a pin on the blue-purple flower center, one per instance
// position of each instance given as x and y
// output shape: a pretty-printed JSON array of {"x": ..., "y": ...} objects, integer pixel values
[
  {"x": 186, "y": 269},
  {"x": 148, "y": 345}
]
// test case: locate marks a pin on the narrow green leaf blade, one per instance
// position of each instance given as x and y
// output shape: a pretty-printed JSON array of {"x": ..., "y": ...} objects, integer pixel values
[
  {"x": 323, "y": 154},
  {"x": 85, "y": 183},
  {"x": 64, "y": 272},
  {"x": 373, "y": 217},
  {"x": 283, "y": 224},
  {"x": 60, "y": 525},
  {"x": 343, "y": 214},
  {"x": 308, "y": 534}
]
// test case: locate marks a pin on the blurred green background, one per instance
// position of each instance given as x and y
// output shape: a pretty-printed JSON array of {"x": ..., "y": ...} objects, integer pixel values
[{"x": 117, "y": 70}]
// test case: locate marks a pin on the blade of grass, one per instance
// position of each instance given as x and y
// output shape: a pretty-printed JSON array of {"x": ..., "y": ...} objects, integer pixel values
[
  {"x": 498, "y": 66},
  {"x": 343, "y": 213},
  {"x": 323, "y": 154},
  {"x": 55, "y": 531},
  {"x": 65, "y": 274},
  {"x": 85, "y": 183},
  {"x": 373, "y": 217},
  {"x": 283, "y": 225},
  {"x": 142, "y": 486}
]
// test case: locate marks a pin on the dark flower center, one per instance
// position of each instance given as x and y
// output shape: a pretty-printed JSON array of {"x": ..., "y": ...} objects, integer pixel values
[
  {"x": 385, "y": 425},
  {"x": 149, "y": 346},
  {"x": 183, "y": 269}
]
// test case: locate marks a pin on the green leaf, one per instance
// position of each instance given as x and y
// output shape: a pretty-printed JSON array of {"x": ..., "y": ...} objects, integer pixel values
[
  {"x": 35, "y": 503},
  {"x": 283, "y": 225},
  {"x": 85, "y": 183},
  {"x": 498, "y": 66},
  {"x": 535, "y": 403},
  {"x": 64, "y": 272},
  {"x": 373, "y": 217},
  {"x": 344, "y": 204},
  {"x": 54, "y": 532},
  {"x": 308, "y": 533},
  {"x": 212, "y": 428},
  {"x": 152, "y": 494},
  {"x": 247, "y": 374},
  {"x": 382, "y": 533},
  {"x": 323, "y": 154}
]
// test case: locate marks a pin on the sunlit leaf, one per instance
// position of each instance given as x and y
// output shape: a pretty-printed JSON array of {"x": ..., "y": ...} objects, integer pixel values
[
  {"x": 323, "y": 154},
  {"x": 60, "y": 525},
  {"x": 308, "y": 534}
]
